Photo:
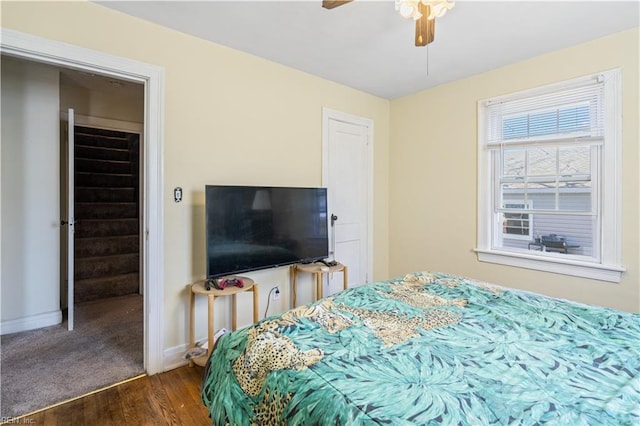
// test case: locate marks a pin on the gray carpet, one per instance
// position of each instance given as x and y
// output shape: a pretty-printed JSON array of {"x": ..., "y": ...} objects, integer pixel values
[{"x": 43, "y": 367}]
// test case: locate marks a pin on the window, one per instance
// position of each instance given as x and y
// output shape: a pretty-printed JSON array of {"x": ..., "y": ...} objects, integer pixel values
[{"x": 549, "y": 178}]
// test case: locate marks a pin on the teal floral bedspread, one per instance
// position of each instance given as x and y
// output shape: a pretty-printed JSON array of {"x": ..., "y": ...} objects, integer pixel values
[{"x": 430, "y": 348}]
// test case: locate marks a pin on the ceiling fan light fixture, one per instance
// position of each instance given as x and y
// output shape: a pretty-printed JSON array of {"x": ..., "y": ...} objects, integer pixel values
[
  {"x": 425, "y": 28},
  {"x": 411, "y": 8},
  {"x": 424, "y": 13}
]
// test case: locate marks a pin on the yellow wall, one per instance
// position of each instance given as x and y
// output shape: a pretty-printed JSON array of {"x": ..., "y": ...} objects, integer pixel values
[
  {"x": 123, "y": 107},
  {"x": 230, "y": 118},
  {"x": 433, "y": 172}
]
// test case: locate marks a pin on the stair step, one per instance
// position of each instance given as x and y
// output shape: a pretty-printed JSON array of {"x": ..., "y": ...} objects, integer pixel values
[
  {"x": 105, "y": 210},
  {"x": 101, "y": 153},
  {"x": 105, "y": 246},
  {"x": 94, "y": 131},
  {"x": 104, "y": 195},
  {"x": 109, "y": 180},
  {"x": 87, "y": 139},
  {"x": 99, "y": 288},
  {"x": 104, "y": 266},
  {"x": 99, "y": 141},
  {"x": 103, "y": 166},
  {"x": 105, "y": 227}
]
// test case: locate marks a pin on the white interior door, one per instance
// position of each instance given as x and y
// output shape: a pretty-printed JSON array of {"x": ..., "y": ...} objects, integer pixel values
[
  {"x": 69, "y": 220},
  {"x": 347, "y": 175}
]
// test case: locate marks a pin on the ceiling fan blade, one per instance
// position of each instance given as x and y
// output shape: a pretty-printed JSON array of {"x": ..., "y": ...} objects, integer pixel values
[
  {"x": 425, "y": 28},
  {"x": 330, "y": 4}
]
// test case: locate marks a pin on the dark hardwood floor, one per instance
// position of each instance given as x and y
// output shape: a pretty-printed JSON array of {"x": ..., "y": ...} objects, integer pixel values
[{"x": 171, "y": 398}]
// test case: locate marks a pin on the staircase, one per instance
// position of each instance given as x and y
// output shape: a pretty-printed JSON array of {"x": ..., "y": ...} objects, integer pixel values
[{"x": 107, "y": 242}]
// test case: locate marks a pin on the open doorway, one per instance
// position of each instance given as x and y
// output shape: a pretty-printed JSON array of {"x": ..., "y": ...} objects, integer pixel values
[
  {"x": 50, "y": 52},
  {"x": 107, "y": 345},
  {"x": 101, "y": 180}
]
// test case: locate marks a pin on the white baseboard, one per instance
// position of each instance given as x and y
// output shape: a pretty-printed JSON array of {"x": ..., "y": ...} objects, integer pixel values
[
  {"x": 31, "y": 322},
  {"x": 174, "y": 357}
]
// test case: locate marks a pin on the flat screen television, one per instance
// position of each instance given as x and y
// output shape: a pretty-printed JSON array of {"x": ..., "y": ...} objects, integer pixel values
[{"x": 257, "y": 227}]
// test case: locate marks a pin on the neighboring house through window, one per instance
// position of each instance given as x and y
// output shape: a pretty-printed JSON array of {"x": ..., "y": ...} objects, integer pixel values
[{"x": 549, "y": 177}]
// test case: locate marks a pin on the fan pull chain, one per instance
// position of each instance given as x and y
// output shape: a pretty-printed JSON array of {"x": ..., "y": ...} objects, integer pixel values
[{"x": 427, "y": 60}]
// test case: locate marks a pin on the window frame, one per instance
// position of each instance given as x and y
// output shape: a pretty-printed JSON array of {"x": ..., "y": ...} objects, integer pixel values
[{"x": 608, "y": 265}]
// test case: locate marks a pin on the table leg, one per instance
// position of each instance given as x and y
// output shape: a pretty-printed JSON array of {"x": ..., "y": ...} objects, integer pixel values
[
  {"x": 319, "y": 285},
  {"x": 294, "y": 272},
  {"x": 210, "y": 324},
  {"x": 192, "y": 322},
  {"x": 234, "y": 310},
  {"x": 255, "y": 303},
  {"x": 345, "y": 277}
]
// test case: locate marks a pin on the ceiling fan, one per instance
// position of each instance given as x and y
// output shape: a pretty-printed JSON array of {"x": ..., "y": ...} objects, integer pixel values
[{"x": 423, "y": 12}]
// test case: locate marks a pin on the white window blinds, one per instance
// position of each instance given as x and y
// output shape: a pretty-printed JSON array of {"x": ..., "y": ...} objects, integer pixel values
[{"x": 571, "y": 114}]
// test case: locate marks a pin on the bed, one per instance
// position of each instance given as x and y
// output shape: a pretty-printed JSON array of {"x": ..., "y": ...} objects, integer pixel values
[{"x": 429, "y": 348}]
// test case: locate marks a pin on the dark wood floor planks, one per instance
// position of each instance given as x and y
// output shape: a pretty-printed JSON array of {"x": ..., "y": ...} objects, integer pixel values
[{"x": 171, "y": 398}]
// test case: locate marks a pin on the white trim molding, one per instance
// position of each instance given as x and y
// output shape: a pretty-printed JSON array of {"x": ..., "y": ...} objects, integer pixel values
[
  {"x": 38, "y": 49},
  {"x": 106, "y": 123},
  {"x": 174, "y": 357},
  {"x": 31, "y": 322},
  {"x": 554, "y": 264}
]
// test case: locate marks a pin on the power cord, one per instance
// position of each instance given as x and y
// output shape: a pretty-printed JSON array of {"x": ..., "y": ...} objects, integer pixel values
[{"x": 277, "y": 290}]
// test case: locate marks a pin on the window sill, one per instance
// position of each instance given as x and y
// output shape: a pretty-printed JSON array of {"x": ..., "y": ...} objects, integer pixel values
[{"x": 575, "y": 268}]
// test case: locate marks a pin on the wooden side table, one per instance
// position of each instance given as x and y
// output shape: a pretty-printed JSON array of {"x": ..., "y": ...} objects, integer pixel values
[
  {"x": 198, "y": 288},
  {"x": 317, "y": 270}
]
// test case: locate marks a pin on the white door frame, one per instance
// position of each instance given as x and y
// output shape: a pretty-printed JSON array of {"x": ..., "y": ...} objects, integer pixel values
[
  {"x": 42, "y": 50},
  {"x": 331, "y": 114}
]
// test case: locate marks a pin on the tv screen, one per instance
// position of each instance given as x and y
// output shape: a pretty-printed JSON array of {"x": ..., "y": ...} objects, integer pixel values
[{"x": 257, "y": 227}]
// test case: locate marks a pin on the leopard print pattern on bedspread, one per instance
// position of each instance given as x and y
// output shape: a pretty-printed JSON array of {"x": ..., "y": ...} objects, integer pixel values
[
  {"x": 323, "y": 313},
  {"x": 393, "y": 329},
  {"x": 454, "y": 282},
  {"x": 409, "y": 292},
  {"x": 268, "y": 351},
  {"x": 270, "y": 410}
]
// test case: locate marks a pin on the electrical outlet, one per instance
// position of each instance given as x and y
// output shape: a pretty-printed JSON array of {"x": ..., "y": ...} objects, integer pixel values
[
  {"x": 219, "y": 333},
  {"x": 276, "y": 294}
]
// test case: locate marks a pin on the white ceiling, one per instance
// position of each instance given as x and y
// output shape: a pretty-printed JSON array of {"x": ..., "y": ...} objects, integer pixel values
[{"x": 367, "y": 45}]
